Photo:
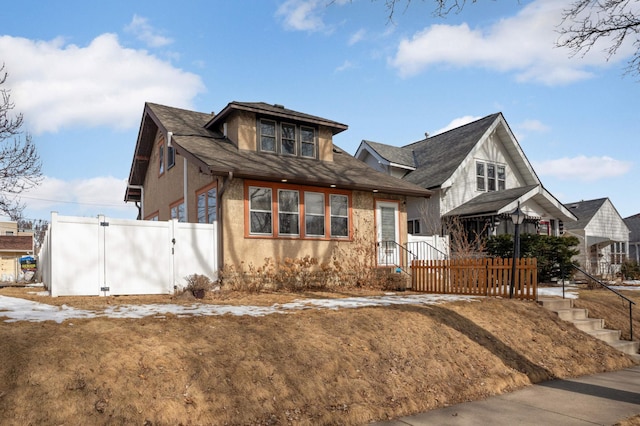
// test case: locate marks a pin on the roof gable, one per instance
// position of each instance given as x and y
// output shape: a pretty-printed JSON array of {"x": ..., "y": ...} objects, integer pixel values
[
  {"x": 393, "y": 155},
  {"x": 633, "y": 223},
  {"x": 584, "y": 211},
  {"x": 438, "y": 157}
]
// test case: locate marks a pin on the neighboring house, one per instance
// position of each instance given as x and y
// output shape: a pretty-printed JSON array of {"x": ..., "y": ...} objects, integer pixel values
[
  {"x": 478, "y": 173},
  {"x": 633, "y": 223},
  {"x": 603, "y": 235},
  {"x": 13, "y": 245},
  {"x": 270, "y": 178}
]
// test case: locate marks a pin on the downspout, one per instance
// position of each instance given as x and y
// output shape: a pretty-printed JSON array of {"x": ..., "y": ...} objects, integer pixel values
[
  {"x": 220, "y": 243},
  {"x": 141, "y": 206}
]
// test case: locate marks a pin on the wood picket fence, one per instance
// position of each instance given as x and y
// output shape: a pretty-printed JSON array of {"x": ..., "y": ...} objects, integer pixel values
[{"x": 481, "y": 277}]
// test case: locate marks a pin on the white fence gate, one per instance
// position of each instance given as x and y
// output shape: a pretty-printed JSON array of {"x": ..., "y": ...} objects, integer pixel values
[{"x": 99, "y": 256}]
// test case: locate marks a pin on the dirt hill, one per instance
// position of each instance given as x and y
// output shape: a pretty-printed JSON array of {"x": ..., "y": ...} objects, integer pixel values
[{"x": 349, "y": 366}]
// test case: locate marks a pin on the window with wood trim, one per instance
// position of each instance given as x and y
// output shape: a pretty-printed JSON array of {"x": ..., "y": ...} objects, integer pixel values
[
  {"x": 171, "y": 157},
  {"x": 161, "y": 158},
  {"x": 206, "y": 205},
  {"x": 178, "y": 211},
  {"x": 339, "y": 215},
  {"x": 291, "y": 211},
  {"x": 287, "y": 138},
  {"x": 288, "y": 212},
  {"x": 314, "y": 214},
  {"x": 260, "y": 211}
]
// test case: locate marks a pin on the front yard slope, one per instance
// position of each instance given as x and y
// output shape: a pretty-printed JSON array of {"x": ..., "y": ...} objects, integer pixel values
[{"x": 350, "y": 366}]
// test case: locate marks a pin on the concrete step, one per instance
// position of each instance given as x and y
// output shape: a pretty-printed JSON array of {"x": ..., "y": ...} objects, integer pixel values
[
  {"x": 627, "y": 347},
  {"x": 589, "y": 324},
  {"x": 572, "y": 314},
  {"x": 608, "y": 336},
  {"x": 593, "y": 326},
  {"x": 555, "y": 304}
]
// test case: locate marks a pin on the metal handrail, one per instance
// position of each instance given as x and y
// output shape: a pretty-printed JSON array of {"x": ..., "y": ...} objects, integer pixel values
[
  {"x": 398, "y": 262},
  {"x": 631, "y": 302},
  {"x": 429, "y": 246}
]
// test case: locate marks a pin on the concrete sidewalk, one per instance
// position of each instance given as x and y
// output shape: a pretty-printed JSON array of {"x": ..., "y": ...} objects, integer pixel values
[{"x": 601, "y": 399}]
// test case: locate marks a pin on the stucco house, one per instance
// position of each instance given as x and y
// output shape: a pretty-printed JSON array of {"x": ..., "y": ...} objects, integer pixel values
[
  {"x": 603, "y": 235},
  {"x": 633, "y": 223},
  {"x": 478, "y": 173},
  {"x": 269, "y": 177}
]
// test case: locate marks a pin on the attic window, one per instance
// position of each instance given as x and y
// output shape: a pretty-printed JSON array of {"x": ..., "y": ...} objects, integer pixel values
[
  {"x": 490, "y": 176},
  {"x": 286, "y": 138}
]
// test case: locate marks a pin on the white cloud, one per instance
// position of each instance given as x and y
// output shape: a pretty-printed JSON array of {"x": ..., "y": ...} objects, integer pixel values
[
  {"x": 60, "y": 85},
  {"x": 301, "y": 15},
  {"x": 345, "y": 66},
  {"x": 582, "y": 168},
  {"x": 456, "y": 122},
  {"x": 534, "y": 126},
  {"x": 523, "y": 44},
  {"x": 81, "y": 197},
  {"x": 357, "y": 37},
  {"x": 141, "y": 28}
]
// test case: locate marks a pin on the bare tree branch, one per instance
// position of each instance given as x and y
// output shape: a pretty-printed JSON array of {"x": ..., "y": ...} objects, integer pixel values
[
  {"x": 20, "y": 166},
  {"x": 586, "y": 22}
]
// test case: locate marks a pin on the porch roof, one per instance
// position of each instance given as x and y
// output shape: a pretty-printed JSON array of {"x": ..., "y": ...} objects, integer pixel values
[{"x": 491, "y": 203}]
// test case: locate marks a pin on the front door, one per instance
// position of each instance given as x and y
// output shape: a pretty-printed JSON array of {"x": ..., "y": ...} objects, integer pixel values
[{"x": 387, "y": 233}]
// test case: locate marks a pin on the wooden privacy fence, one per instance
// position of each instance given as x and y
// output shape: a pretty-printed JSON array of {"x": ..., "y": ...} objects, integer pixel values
[{"x": 482, "y": 277}]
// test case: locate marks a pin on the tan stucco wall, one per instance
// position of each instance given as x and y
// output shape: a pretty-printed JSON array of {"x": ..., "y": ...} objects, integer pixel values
[
  {"x": 254, "y": 251},
  {"x": 241, "y": 128},
  {"x": 161, "y": 191}
]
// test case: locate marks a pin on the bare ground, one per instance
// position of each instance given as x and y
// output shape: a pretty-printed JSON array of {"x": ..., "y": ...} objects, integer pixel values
[{"x": 310, "y": 367}]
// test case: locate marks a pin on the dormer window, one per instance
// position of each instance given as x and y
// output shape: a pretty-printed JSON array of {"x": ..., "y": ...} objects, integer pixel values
[
  {"x": 286, "y": 138},
  {"x": 267, "y": 136}
]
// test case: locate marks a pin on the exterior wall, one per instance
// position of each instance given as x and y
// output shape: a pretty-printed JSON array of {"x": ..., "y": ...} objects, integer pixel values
[
  {"x": 11, "y": 227},
  {"x": 608, "y": 223},
  {"x": 464, "y": 188},
  {"x": 325, "y": 144},
  {"x": 241, "y": 128},
  {"x": 428, "y": 211},
  {"x": 161, "y": 191},
  {"x": 239, "y": 250}
]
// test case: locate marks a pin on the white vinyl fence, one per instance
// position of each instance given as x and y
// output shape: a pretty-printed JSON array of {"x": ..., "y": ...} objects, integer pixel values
[
  {"x": 432, "y": 247},
  {"x": 100, "y": 256}
]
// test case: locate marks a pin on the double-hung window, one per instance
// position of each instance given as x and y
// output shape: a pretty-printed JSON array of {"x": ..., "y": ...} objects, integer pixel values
[
  {"x": 339, "y": 215},
  {"x": 480, "y": 176},
  {"x": 207, "y": 206},
  {"x": 288, "y": 139},
  {"x": 314, "y": 214},
  {"x": 288, "y": 212},
  {"x": 260, "y": 213},
  {"x": 267, "y": 135},
  {"x": 161, "y": 158},
  {"x": 307, "y": 142},
  {"x": 171, "y": 157}
]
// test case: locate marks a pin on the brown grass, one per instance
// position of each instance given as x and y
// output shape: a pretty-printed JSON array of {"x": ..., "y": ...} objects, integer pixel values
[{"x": 310, "y": 367}]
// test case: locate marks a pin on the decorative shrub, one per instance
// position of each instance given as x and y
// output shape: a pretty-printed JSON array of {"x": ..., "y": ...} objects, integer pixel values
[{"x": 198, "y": 285}]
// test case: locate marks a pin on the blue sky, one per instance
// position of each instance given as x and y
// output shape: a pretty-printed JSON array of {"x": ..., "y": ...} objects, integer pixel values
[{"x": 81, "y": 71}]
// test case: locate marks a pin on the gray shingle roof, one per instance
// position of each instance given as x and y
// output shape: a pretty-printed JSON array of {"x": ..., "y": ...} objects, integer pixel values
[
  {"x": 437, "y": 157},
  {"x": 584, "y": 211},
  {"x": 393, "y": 154},
  {"x": 220, "y": 156},
  {"x": 490, "y": 202}
]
